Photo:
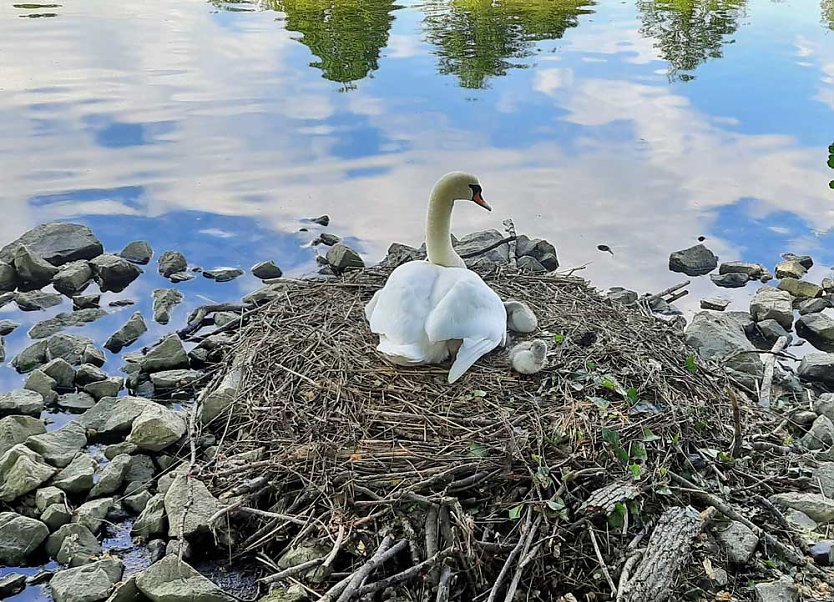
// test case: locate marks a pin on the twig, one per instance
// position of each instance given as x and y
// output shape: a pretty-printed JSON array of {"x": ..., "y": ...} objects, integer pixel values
[
  {"x": 293, "y": 570},
  {"x": 489, "y": 248},
  {"x": 736, "y": 451},
  {"x": 378, "y": 559},
  {"x": 531, "y": 534},
  {"x": 665, "y": 292},
  {"x": 601, "y": 560},
  {"x": 769, "y": 364},
  {"x": 444, "y": 586},
  {"x": 625, "y": 574},
  {"x": 493, "y": 594},
  {"x": 406, "y": 574}
]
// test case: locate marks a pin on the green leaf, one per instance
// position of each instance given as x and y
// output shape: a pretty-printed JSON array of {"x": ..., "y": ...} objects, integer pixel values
[
  {"x": 542, "y": 477},
  {"x": 478, "y": 393},
  {"x": 638, "y": 451},
  {"x": 690, "y": 364},
  {"x": 610, "y": 383},
  {"x": 636, "y": 470},
  {"x": 617, "y": 518},
  {"x": 621, "y": 453},
  {"x": 558, "y": 338},
  {"x": 610, "y": 437},
  {"x": 649, "y": 436},
  {"x": 600, "y": 402},
  {"x": 725, "y": 458},
  {"x": 663, "y": 490},
  {"x": 556, "y": 504},
  {"x": 478, "y": 450},
  {"x": 632, "y": 395},
  {"x": 676, "y": 439},
  {"x": 515, "y": 512}
]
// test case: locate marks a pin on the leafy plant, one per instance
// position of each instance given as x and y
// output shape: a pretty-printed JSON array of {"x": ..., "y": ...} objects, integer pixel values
[
  {"x": 478, "y": 450},
  {"x": 515, "y": 512},
  {"x": 690, "y": 364}
]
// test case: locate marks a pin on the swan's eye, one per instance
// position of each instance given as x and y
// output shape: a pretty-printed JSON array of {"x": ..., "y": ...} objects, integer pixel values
[{"x": 476, "y": 189}]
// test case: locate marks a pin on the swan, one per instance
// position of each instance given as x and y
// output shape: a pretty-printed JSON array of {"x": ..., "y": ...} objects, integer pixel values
[
  {"x": 520, "y": 318},
  {"x": 528, "y": 357},
  {"x": 431, "y": 309}
]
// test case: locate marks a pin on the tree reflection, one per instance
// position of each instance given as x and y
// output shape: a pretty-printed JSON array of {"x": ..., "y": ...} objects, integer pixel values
[
  {"x": 346, "y": 35},
  {"x": 480, "y": 39},
  {"x": 689, "y": 32},
  {"x": 827, "y": 9}
]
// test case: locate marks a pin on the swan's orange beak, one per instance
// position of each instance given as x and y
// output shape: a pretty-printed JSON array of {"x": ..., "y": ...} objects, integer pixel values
[{"x": 476, "y": 196}]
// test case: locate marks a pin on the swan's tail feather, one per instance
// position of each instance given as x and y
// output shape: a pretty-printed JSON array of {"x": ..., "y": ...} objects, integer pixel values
[
  {"x": 411, "y": 354},
  {"x": 468, "y": 354}
]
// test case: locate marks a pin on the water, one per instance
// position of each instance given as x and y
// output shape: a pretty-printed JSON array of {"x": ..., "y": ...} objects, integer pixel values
[{"x": 216, "y": 128}]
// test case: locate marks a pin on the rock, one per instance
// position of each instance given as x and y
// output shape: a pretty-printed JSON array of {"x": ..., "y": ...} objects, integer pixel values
[
  {"x": 70, "y": 347},
  {"x": 89, "y": 373},
  {"x": 729, "y": 280},
  {"x": 342, "y": 258},
  {"x": 152, "y": 520},
  {"x": 57, "y": 243},
  {"x": 694, "y": 261},
  {"x": 540, "y": 250},
  {"x": 530, "y": 265},
  {"x": 478, "y": 241},
  {"x": 263, "y": 295},
  {"x": 322, "y": 220},
  {"x": 49, "y": 495},
  {"x": 37, "y": 300},
  {"x": 824, "y": 405},
  {"x": 824, "y": 475},
  {"x": 753, "y": 270},
  {"x": 622, "y": 295},
  {"x": 113, "y": 415},
  {"x": 800, "y": 520},
  {"x": 56, "y": 324},
  {"x": 325, "y": 238},
  {"x": 92, "y": 355},
  {"x": 88, "y": 583},
  {"x": 77, "y": 477},
  {"x": 84, "y": 544},
  {"x": 85, "y": 301},
  {"x": 812, "y": 306},
  {"x": 771, "y": 303},
  {"x": 8, "y": 327},
  {"x": 16, "y": 429},
  {"x": 59, "y": 447},
  {"x": 113, "y": 273},
  {"x": 776, "y": 591},
  {"x": 20, "y": 536},
  {"x": 137, "y": 251},
  {"x": 141, "y": 469},
  {"x": 223, "y": 274},
  {"x": 112, "y": 476},
  {"x": 73, "y": 278},
  {"x": 21, "y": 471},
  {"x": 21, "y": 401},
  {"x": 816, "y": 506},
  {"x": 305, "y": 552},
  {"x": 267, "y": 269},
  {"x": 156, "y": 428},
  {"x": 820, "y": 435},
  {"x": 221, "y": 398},
  {"x": 11, "y": 584},
  {"x": 168, "y": 354},
  {"x": 8, "y": 277},
  {"x": 715, "y": 303},
  {"x": 202, "y": 508},
  {"x": 181, "y": 277},
  {"x": 738, "y": 541},
  {"x": 399, "y": 254},
  {"x": 56, "y": 516},
  {"x": 222, "y": 318},
  {"x": 92, "y": 514},
  {"x": 32, "y": 271},
  {"x": 828, "y": 285},
  {"x": 295, "y": 593},
  {"x": 144, "y": 388},
  {"x": 817, "y": 368},
  {"x": 61, "y": 372},
  {"x": 770, "y": 330},
  {"x": 164, "y": 300},
  {"x": 817, "y": 329},
  {"x": 108, "y": 387},
  {"x": 137, "y": 502},
  {"x": 172, "y": 580},
  {"x": 800, "y": 289},
  {"x": 30, "y": 358},
  {"x": 116, "y": 449},
  {"x": 174, "y": 546},
  {"x": 806, "y": 261},
  {"x": 42, "y": 383},
  {"x": 128, "y": 334},
  {"x": 803, "y": 418},
  {"x": 822, "y": 552},
  {"x": 718, "y": 336},
  {"x": 171, "y": 262},
  {"x": 790, "y": 269},
  {"x": 175, "y": 380},
  {"x": 76, "y": 402}
]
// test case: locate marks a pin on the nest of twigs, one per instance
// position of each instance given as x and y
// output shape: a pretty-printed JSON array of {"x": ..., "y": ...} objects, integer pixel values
[{"x": 392, "y": 482}]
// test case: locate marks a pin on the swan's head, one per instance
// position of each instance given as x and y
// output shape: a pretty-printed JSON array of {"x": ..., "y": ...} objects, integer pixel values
[
  {"x": 460, "y": 186},
  {"x": 539, "y": 350}
]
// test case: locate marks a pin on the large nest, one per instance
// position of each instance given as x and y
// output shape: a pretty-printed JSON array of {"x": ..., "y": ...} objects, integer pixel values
[{"x": 378, "y": 476}]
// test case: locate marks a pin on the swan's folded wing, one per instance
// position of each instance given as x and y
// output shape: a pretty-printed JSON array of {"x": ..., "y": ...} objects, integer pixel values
[
  {"x": 468, "y": 309},
  {"x": 400, "y": 308}
]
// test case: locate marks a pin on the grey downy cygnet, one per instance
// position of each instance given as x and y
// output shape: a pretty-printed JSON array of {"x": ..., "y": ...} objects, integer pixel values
[
  {"x": 528, "y": 357},
  {"x": 520, "y": 318}
]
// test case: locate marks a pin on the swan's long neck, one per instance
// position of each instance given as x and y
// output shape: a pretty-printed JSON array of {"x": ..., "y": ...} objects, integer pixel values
[{"x": 439, "y": 230}]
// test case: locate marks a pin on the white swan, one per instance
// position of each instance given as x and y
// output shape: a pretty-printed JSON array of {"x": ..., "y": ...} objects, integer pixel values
[
  {"x": 528, "y": 357},
  {"x": 520, "y": 318},
  {"x": 430, "y": 309}
]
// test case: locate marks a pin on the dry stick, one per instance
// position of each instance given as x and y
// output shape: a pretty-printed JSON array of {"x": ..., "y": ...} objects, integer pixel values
[
  {"x": 736, "y": 451},
  {"x": 369, "y": 567},
  {"x": 489, "y": 248},
  {"x": 445, "y": 584},
  {"x": 601, "y": 562},
  {"x": 677, "y": 296},
  {"x": 293, "y": 570},
  {"x": 525, "y": 558},
  {"x": 625, "y": 575},
  {"x": 493, "y": 594},
  {"x": 769, "y": 364},
  {"x": 665, "y": 292},
  {"x": 336, "y": 546},
  {"x": 509, "y": 226},
  {"x": 406, "y": 574}
]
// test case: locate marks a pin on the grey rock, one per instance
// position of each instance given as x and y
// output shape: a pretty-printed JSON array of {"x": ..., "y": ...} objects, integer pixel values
[
  {"x": 168, "y": 354},
  {"x": 126, "y": 591},
  {"x": 342, "y": 258},
  {"x": 172, "y": 262},
  {"x": 21, "y": 401},
  {"x": 771, "y": 303},
  {"x": 116, "y": 449},
  {"x": 202, "y": 507},
  {"x": 141, "y": 469},
  {"x": 138, "y": 501},
  {"x": 537, "y": 248},
  {"x": 33, "y": 271},
  {"x": 144, "y": 388},
  {"x": 42, "y": 383},
  {"x": 73, "y": 278},
  {"x": 822, "y": 552},
  {"x": 76, "y": 402},
  {"x": 790, "y": 269},
  {"x": 800, "y": 288},
  {"x": 302, "y": 553},
  {"x": 20, "y": 536},
  {"x": 172, "y": 580},
  {"x": 817, "y": 329},
  {"x": 223, "y": 274},
  {"x": 817, "y": 368},
  {"x": 137, "y": 251},
  {"x": 11, "y": 584},
  {"x": 85, "y": 301},
  {"x": 108, "y": 387},
  {"x": 325, "y": 238},
  {"x": 694, "y": 261},
  {"x": 799, "y": 520},
  {"x": 782, "y": 590},
  {"x": 77, "y": 477},
  {"x": 812, "y": 306},
  {"x": 49, "y": 495},
  {"x": 221, "y": 398},
  {"x": 72, "y": 348},
  {"x": 92, "y": 355},
  {"x": 622, "y": 295},
  {"x": 82, "y": 538},
  {"x": 89, "y": 373},
  {"x": 56, "y": 516},
  {"x": 263, "y": 295},
  {"x": 113, "y": 273},
  {"x": 175, "y": 380},
  {"x": 828, "y": 285},
  {"x": 738, "y": 541},
  {"x": 770, "y": 330},
  {"x": 8, "y": 327},
  {"x": 824, "y": 475},
  {"x": 128, "y": 334},
  {"x": 8, "y": 277},
  {"x": 729, "y": 280},
  {"x": 478, "y": 241},
  {"x": 92, "y": 514},
  {"x": 59, "y": 447},
  {"x": 322, "y": 220},
  {"x": 112, "y": 476},
  {"x": 164, "y": 300},
  {"x": 803, "y": 417},
  {"x": 268, "y": 269},
  {"x": 175, "y": 547},
  {"x": 156, "y": 550},
  {"x": 399, "y": 254},
  {"x": 718, "y": 337},
  {"x": 61, "y": 372},
  {"x": 156, "y": 428},
  {"x": 816, "y": 506},
  {"x": 824, "y": 405},
  {"x": 113, "y": 415},
  {"x": 57, "y": 243},
  {"x": 820, "y": 435},
  {"x": 181, "y": 277},
  {"x": 806, "y": 261},
  {"x": 37, "y": 300},
  {"x": 16, "y": 429},
  {"x": 165, "y": 481},
  {"x": 715, "y": 303},
  {"x": 753, "y": 270},
  {"x": 530, "y": 265},
  {"x": 89, "y": 583},
  {"x": 30, "y": 358},
  {"x": 223, "y": 318},
  {"x": 21, "y": 471},
  {"x": 152, "y": 520}
]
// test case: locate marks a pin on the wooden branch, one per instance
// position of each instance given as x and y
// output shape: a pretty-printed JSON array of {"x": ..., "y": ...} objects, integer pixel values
[
  {"x": 489, "y": 248},
  {"x": 445, "y": 585},
  {"x": 769, "y": 364},
  {"x": 406, "y": 574},
  {"x": 383, "y": 554},
  {"x": 665, "y": 292},
  {"x": 601, "y": 561},
  {"x": 493, "y": 594}
]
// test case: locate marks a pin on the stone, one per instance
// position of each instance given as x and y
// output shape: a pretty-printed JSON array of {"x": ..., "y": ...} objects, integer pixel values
[
  {"x": 181, "y": 277},
  {"x": 8, "y": 327},
  {"x": 128, "y": 334},
  {"x": 770, "y": 330},
  {"x": 71, "y": 348},
  {"x": 92, "y": 355},
  {"x": 85, "y": 301},
  {"x": 694, "y": 261},
  {"x": 82, "y": 537},
  {"x": 8, "y": 277},
  {"x": 92, "y": 514},
  {"x": 141, "y": 469},
  {"x": 342, "y": 258},
  {"x": 268, "y": 269},
  {"x": 800, "y": 288},
  {"x": 738, "y": 541},
  {"x": 799, "y": 520},
  {"x": 112, "y": 476},
  {"x": 820, "y": 435},
  {"x": 803, "y": 417},
  {"x": 152, "y": 520},
  {"x": 806, "y": 261},
  {"x": 126, "y": 591},
  {"x": 20, "y": 536},
  {"x": 49, "y": 495},
  {"x": 263, "y": 295},
  {"x": 73, "y": 278},
  {"x": 715, "y": 303},
  {"x": 16, "y": 429},
  {"x": 817, "y": 329},
  {"x": 168, "y": 381},
  {"x": 138, "y": 501},
  {"x": 790, "y": 269},
  {"x": 223, "y": 274},
  {"x": 30, "y": 358},
  {"x": 89, "y": 373},
  {"x": 11, "y": 584},
  {"x": 156, "y": 428},
  {"x": 530, "y": 265},
  {"x": 172, "y": 580},
  {"x": 816, "y": 506},
  {"x": 61, "y": 372},
  {"x": 56, "y": 516},
  {"x": 223, "y": 318},
  {"x": 144, "y": 388},
  {"x": 115, "y": 449},
  {"x": 824, "y": 476},
  {"x": 325, "y": 238},
  {"x": 164, "y": 301},
  {"x": 812, "y": 306},
  {"x": 537, "y": 248},
  {"x": 824, "y": 405},
  {"x": 76, "y": 402},
  {"x": 817, "y": 368},
  {"x": 168, "y": 354},
  {"x": 175, "y": 547},
  {"x": 478, "y": 241},
  {"x": 753, "y": 270},
  {"x": 137, "y": 251},
  {"x": 729, "y": 280},
  {"x": 305, "y": 552},
  {"x": 32, "y": 271},
  {"x": 782, "y": 590},
  {"x": 771, "y": 303},
  {"x": 822, "y": 552},
  {"x": 203, "y": 506},
  {"x": 718, "y": 336},
  {"x": 77, "y": 477},
  {"x": 828, "y": 285},
  {"x": 43, "y": 384},
  {"x": 37, "y": 300},
  {"x": 622, "y": 295},
  {"x": 21, "y": 401},
  {"x": 108, "y": 387},
  {"x": 59, "y": 447},
  {"x": 399, "y": 254},
  {"x": 221, "y": 398},
  {"x": 113, "y": 415},
  {"x": 172, "y": 262},
  {"x": 89, "y": 583},
  {"x": 56, "y": 242},
  {"x": 21, "y": 471},
  {"x": 113, "y": 273},
  {"x": 322, "y": 220},
  {"x": 56, "y": 324}
]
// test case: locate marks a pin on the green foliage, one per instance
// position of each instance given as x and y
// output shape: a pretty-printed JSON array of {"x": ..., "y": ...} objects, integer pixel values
[
  {"x": 691, "y": 365},
  {"x": 558, "y": 338},
  {"x": 515, "y": 512},
  {"x": 618, "y": 517},
  {"x": 649, "y": 436},
  {"x": 478, "y": 450}
]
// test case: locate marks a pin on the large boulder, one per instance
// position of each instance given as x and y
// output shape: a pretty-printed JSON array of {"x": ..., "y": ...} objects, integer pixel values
[
  {"x": 152, "y": 520},
  {"x": 190, "y": 498},
  {"x": 817, "y": 329},
  {"x": 341, "y": 258},
  {"x": 752, "y": 270},
  {"x": 92, "y": 514},
  {"x": 62, "y": 373},
  {"x": 40, "y": 382},
  {"x": 78, "y": 476},
  {"x": 478, "y": 241},
  {"x": 221, "y": 398},
  {"x": 57, "y": 323},
  {"x": 816, "y": 506},
  {"x": 138, "y": 251},
  {"x": 73, "y": 278},
  {"x": 89, "y": 583},
  {"x": 112, "y": 476},
  {"x": 30, "y": 358},
  {"x": 771, "y": 303},
  {"x": 820, "y": 435},
  {"x": 60, "y": 446},
  {"x": 164, "y": 300},
  {"x": 56, "y": 516},
  {"x": 156, "y": 428},
  {"x": 721, "y": 338},
  {"x": 109, "y": 387},
  {"x": 817, "y": 368},
  {"x": 21, "y": 401},
  {"x": 801, "y": 289},
  {"x": 128, "y": 334},
  {"x": 57, "y": 243},
  {"x": 20, "y": 536},
  {"x": 172, "y": 580},
  {"x": 37, "y": 300},
  {"x": 169, "y": 381},
  {"x": 32, "y": 271},
  {"x": 76, "y": 402},
  {"x": 268, "y": 269},
  {"x": 172, "y": 262},
  {"x": 16, "y": 429},
  {"x": 8, "y": 277},
  {"x": 72, "y": 348},
  {"x": 168, "y": 354},
  {"x": 21, "y": 471},
  {"x": 46, "y": 496},
  {"x": 694, "y": 261},
  {"x": 113, "y": 415},
  {"x": 78, "y": 533},
  {"x": 538, "y": 249},
  {"x": 113, "y": 273}
]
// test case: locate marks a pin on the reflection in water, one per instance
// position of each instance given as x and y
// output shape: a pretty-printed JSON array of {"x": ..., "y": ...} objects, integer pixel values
[
  {"x": 346, "y": 35},
  {"x": 689, "y": 32},
  {"x": 480, "y": 39},
  {"x": 827, "y": 9}
]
